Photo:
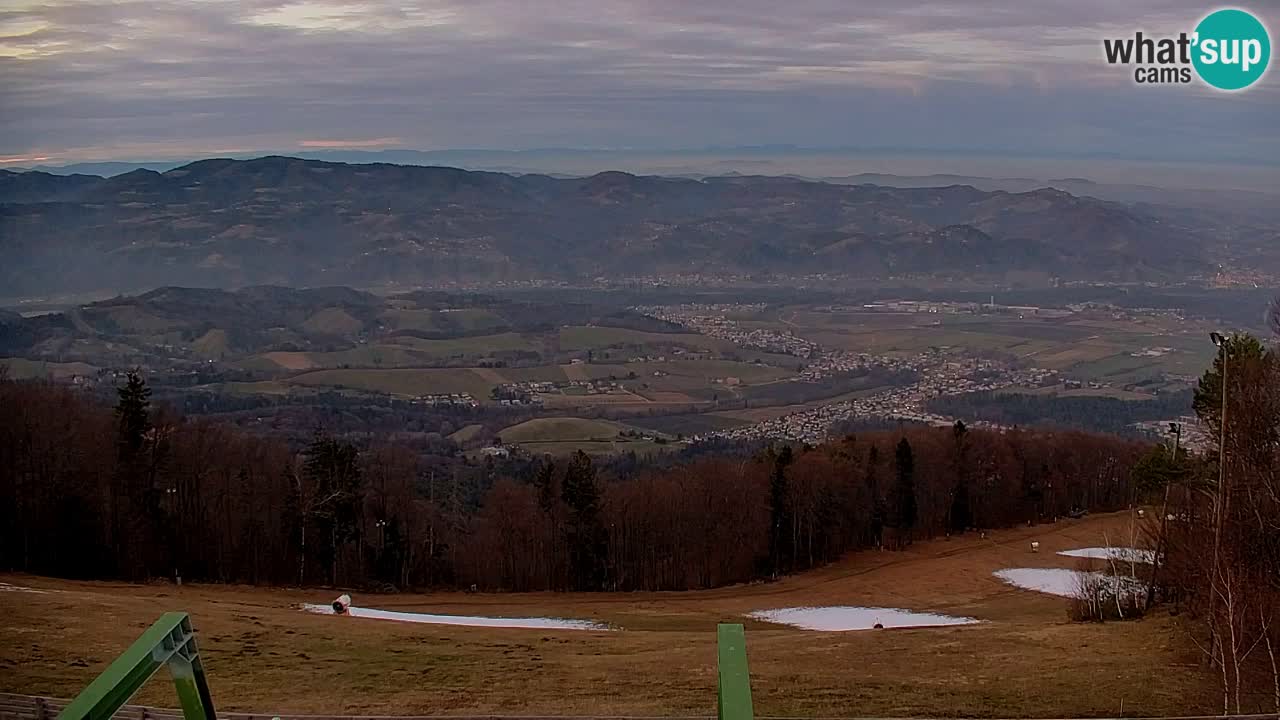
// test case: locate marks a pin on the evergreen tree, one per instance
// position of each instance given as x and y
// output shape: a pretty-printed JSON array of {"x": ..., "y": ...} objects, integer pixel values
[
  {"x": 332, "y": 472},
  {"x": 904, "y": 491},
  {"x": 548, "y": 486},
  {"x": 876, "y": 530},
  {"x": 584, "y": 531},
  {"x": 1158, "y": 469},
  {"x": 959, "y": 514},
  {"x": 1243, "y": 355},
  {"x": 136, "y": 503},
  {"x": 133, "y": 420},
  {"x": 780, "y": 545}
]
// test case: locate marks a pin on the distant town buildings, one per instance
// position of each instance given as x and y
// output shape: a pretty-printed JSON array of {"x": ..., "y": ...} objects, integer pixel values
[
  {"x": 448, "y": 400},
  {"x": 712, "y": 320}
]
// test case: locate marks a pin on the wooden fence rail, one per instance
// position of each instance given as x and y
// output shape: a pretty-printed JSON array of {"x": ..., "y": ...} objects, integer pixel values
[{"x": 31, "y": 707}]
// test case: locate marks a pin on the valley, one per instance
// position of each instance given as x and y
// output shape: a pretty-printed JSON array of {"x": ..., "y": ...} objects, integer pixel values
[{"x": 775, "y": 364}]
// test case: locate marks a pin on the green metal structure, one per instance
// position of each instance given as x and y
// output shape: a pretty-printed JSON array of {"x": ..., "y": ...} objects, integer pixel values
[
  {"x": 734, "y": 687},
  {"x": 170, "y": 641}
]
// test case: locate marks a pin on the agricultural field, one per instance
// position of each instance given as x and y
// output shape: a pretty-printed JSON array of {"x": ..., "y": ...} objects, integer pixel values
[
  {"x": 565, "y": 435},
  {"x": 1024, "y": 658},
  {"x": 408, "y": 382},
  {"x": 21, "y": 369},
  {"x": 573, "y": 338},
  {"x": 398, "y": 352},
  {"x": 562, "y": 429},
  {"x": 614, "y": 359},
  {"x": 333, "y": 321},
  {"x": 466, "y": 434},
  {"x": 1102, "y": 349},
  {"x": 474, "y": 346},
  {"x": 640, "y": 385},
  {"x": 707, "y": 383}
]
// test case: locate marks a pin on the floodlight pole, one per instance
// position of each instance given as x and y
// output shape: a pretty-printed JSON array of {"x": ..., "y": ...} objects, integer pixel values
[{"x": 1221, "y": 432}]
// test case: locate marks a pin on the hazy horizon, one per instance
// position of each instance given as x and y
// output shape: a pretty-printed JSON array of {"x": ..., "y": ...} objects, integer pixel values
[
  {"x": 809, "y": 162},
  {"x": 1013, "y": 90}
]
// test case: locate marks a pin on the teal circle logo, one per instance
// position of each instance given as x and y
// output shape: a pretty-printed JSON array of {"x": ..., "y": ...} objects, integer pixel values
[{"x": 1232, "y": 49}]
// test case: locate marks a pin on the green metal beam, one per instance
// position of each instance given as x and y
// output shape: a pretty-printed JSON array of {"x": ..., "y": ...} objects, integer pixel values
[
  {"x": 735, "y": 681},
  {"x": 170, "y": 641}
]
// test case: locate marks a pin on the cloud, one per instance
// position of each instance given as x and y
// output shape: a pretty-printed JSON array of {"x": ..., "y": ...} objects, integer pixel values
[
  {"x": 369, "y": 143},
  {"x": 23, "y": 159},
  {"x": 123, "y": 78}
]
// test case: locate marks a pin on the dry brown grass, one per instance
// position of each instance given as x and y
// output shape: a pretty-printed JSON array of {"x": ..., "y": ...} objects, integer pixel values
[
  {"x": 290, "y": 360},
  {"x": 262, "y": 654}
]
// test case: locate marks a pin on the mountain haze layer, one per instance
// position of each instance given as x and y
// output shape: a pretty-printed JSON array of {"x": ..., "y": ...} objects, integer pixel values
[{"x": 305, "y": 222}]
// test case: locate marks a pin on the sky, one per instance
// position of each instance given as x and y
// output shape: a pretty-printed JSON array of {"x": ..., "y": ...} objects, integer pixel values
[{"x": 136, "y": 80}]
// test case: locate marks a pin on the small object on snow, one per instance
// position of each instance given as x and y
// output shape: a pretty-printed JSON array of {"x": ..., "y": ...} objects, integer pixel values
[
  {"x": 341, "y": 603},
  {"x": 878, "y": 626}
]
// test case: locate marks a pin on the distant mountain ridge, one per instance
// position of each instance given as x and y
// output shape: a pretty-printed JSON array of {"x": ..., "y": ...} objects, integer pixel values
[{"x": 284, "y": 220}]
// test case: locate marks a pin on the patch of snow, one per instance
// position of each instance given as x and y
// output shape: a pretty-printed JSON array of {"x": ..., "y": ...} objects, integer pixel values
[
  {"x": 843, "y": 618},
  {"x": 1060, "y": 581},
  {"x": 1124, "y": 554},
  {"x": 468, "y": 620},
  {"x": 6, "y": 587}
]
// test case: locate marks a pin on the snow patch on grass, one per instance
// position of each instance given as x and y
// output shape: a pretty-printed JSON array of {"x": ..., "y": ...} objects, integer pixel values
[
  {"x": 542, "y": 623},
  {"x": 843, "y": 618}
]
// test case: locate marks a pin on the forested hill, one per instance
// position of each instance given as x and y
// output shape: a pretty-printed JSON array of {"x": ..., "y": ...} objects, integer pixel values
[
  {"x": 1084, "y": 412},
  {"x": 134, "y": 492},
  {"x": 280, "y": 220}
]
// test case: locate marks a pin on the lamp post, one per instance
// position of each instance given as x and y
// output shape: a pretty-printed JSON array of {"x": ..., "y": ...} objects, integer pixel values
[
  {"x": 1162, "y": 542},
  {"x": 1220, "y": 501},
  {"x": 1221, "y": 341}
]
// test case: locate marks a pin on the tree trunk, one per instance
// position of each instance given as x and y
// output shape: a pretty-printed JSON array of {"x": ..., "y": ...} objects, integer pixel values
[
  {"x": 1275, "y": 668},
  {"x": 302, "y": 555},
  {"x": 333, "y": 556}
]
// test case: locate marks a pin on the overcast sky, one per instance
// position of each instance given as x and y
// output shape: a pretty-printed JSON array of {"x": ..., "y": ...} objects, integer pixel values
[{"x": 143, "y": 80}]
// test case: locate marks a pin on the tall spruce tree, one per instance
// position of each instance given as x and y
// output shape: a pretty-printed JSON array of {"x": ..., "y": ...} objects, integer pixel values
[
  {"x": 959, "y": 514},
  {"x": 904, "y": 492},
  {"x": 547, "y": 484},
  {"x": 780, "y": 516},
  {"x": 135, "y": 503},
  {"x": 584, "y": 532},
  {"x": 332, "y": 472},
  {"x": 133, "y": 420},
  {"x": 876, "y": 529}
]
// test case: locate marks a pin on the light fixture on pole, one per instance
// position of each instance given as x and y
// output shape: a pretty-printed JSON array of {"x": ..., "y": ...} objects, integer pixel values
[{"x": 1221, "y": 342}]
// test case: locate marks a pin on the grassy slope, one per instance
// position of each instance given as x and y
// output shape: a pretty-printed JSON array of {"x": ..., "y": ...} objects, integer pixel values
[
  {"x": 478, "y": 346},
  {"x": 580, "y": 337},
  {"x": 560, "y": 429},
  {"x": 22, "y": 369},
  {"x": 332, "y": 321},
  {"x": 262, "y": 655},
  {"x": 409, "y": 382}
]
